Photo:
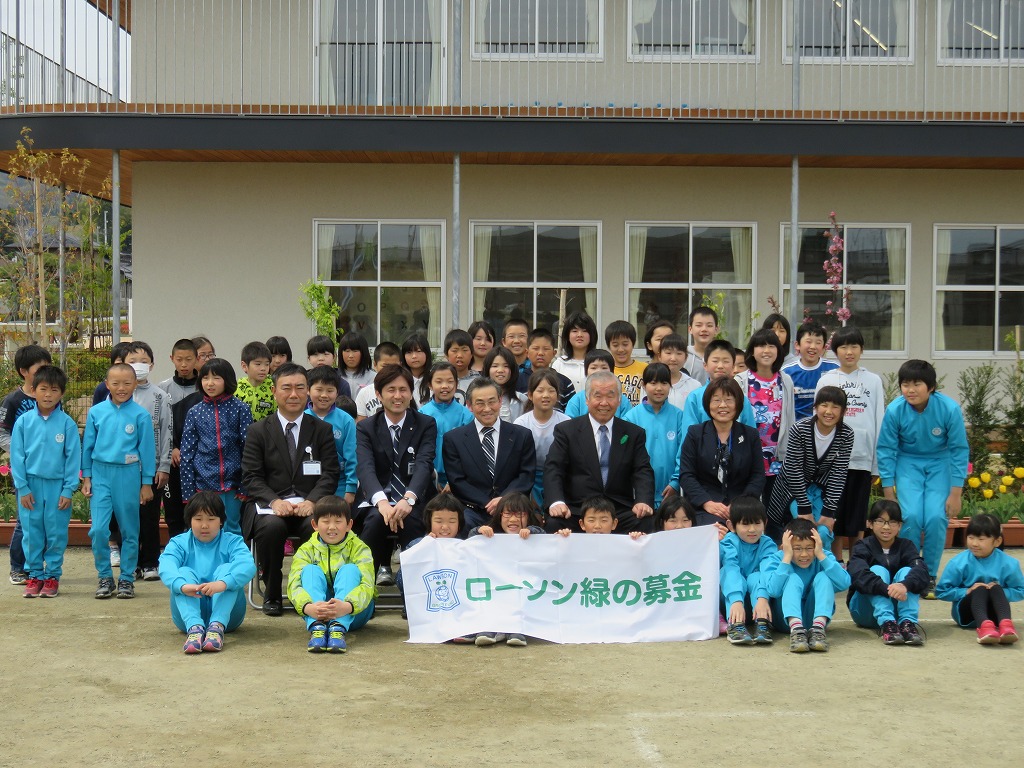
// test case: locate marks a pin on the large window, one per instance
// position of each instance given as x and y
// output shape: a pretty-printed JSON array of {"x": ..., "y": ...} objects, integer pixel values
[
  {"x": 875, "y": 271},
  {"x": 983, "y": 30},
  {"x": 670, "y": 29},
  {"x": 537, "y": 29},
  {"x": 852, "y": 30},
  {"x": 534, "y": 270},
  {"x": 676, "y": 267},
  {"x": 381, "y": 52},
  {"x": 385, "y": 275},
  {"x": 979, "y": 288}
]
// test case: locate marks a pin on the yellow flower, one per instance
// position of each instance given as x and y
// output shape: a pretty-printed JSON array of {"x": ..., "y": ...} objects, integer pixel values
[
  {"x": 1019, "y": 473},
  {"x": 974, "y": 482},
  {"x": 987, "y": 493},
  {"x": 1002, "y": 489},
  {"x": 1008, "y": 480},
  {"x": 986, "y": 477}
]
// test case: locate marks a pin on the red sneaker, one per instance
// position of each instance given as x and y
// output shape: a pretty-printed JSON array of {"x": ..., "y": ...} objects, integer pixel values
[
  {"x": 1007, "y": 633},
  {"x": 50, "y": 588},
  {"x": 32, "y": 587},
  {"x": 987, "y": 633}
]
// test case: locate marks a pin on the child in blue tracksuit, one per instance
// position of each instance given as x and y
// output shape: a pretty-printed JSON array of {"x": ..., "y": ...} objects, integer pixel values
[
  {"x": 719, "y": 357},
  {"x": 663, "y": 424},
  {"x": 595, "y": 360},
  {"x": 922, "y": 457},
  {"x": 437, "y": 393},
  {"x": 802, "y": 579},
  {"x": 323, "y": 403},
  {"x": 212, "y": 441},
  {"x": 887, "y": 577},
  {"x": 118, "y": 465},
  {"x": 742, "y": 554},
  {"x": 206, "y": 569},
  {"x": 46, "y": 455},
  {"x": 982, "y": 582}
]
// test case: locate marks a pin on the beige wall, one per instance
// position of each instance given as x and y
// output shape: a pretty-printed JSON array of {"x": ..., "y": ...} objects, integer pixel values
[{"x": 222, "y": 249}]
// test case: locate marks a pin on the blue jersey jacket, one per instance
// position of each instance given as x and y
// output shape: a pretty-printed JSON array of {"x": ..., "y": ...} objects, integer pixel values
[{"x": 120, "y": 435}]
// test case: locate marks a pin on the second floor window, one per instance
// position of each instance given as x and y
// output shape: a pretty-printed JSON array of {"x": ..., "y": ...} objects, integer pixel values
[
  {"x": 984, "y": 30},
  {"x": 852, "y": 29},
  {"x": 692, "y": 28},
  {"x": 537, "y": 28}
]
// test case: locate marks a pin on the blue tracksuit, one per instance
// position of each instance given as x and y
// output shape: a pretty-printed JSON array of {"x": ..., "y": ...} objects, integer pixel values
[
  {"x": 187, "y": 560},
  {"x": 211, "y": 452},
  {"x": 119, "y": 454},
  {"x": 448, "y": 416},
  {"x": 741, "y": 569},
  {"x": 577, "y": 406},
  {"x": 46, "y": 455},
  {"x": 694, "y": 413},
  {"x": 344, "y": 428},
  {"x": 803, "y": 593},
  {"x": 965, "y": 570},
  {"x": 665, "y": 435},
  {"x": 924, "y": 455}
]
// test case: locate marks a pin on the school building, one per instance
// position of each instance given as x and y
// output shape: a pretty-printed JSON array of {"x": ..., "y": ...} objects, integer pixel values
[{"x": 439, "y": 161}]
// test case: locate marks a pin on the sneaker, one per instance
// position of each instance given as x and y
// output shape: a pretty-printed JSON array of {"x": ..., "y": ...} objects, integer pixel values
[
  {"x": 516, "y": 640},
  {"x": 105, "y": 589},
  {"x": 385, "y": 578},
  {"x": 1007, "y": 632},
  {"x": 214, "y": 640},
  {"x": 891, "y": 634},
  {"x": 818, "y": 641},
  {"x": 317, "y": 638},
  {"x": 336, "y": 638},
  {"x": 115, "y": 556},
  {"x": 723, "y": 625},
  {"x": 738, "y": 635},
  {"x": 763, "y": 633},
  {"x": 50, "y": 588},
  {"x": 289, "y": 548},
  {"x": 489, "y": 638},
  {"x": 798, "y": 641},
  {"x": 32, "y": 587},
  {"x": 150, "y": 574},
  {"x": 911, "y": 636},
  {"x": 987, "y": 633},
  {"x": 929, "y": 594},
  {"x": 125, "y": 589},
  {"x": 194, "y": 640},
  {"x": 18, "y": 577}
]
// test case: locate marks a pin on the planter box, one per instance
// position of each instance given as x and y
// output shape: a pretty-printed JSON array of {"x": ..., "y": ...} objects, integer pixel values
[
  {"x": 1013, "y": 534},
  {"x": 78, "y": 534}
]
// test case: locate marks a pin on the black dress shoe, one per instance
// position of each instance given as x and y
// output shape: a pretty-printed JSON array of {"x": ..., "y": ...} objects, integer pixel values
[{"x": 272, "y": 608}]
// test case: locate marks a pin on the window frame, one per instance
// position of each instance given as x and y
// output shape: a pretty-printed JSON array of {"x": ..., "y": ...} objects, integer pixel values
[
  {"x": 443, "y": 319},
  {"x": 854, "y": 288},
  {"x": 968, "y": 354},
  {"x": 654, "y": 58},
  {"x": 845, "y": 57},
  {"x": 597, "y": 56},
  {"x": 949, "y": 61}
]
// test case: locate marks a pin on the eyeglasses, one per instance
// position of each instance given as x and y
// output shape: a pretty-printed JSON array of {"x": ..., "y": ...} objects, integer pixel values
[
  {"x": 207, "y": 355},
  {"x": 512, "y": 514},
  {"x": 886, "y": 523}
]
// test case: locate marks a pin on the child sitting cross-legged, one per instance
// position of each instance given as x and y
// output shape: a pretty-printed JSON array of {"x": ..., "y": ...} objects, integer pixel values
[
  {"x": 331, "y": 582},
  {"x": 982, "y": 582},
  {"x": 206, "y": 569},
  {"x": 802, "y": 579},
  {"x": 887, "y": 577},
  {"x": 742, "y": 555}
]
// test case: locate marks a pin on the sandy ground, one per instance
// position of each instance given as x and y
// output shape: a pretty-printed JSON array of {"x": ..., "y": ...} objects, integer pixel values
[{"x": 89, "y": 682}]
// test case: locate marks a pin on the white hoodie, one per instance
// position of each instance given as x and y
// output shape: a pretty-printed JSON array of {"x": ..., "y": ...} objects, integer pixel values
[{"x": 865, "y": 407}]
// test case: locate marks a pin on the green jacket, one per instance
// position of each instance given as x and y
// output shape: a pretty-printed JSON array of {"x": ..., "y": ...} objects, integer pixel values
[{"x": 330, "y": 558}]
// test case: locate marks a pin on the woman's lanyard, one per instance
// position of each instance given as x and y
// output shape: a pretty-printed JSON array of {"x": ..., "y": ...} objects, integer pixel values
[{"x": 722, "y": 458}]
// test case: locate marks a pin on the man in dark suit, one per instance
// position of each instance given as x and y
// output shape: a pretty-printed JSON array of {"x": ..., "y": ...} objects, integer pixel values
[
  {"x": 599, "y": 455},
  {"x": 487, "y": 458},
  {"x": 395, "y": 465},
  {"x": 289, "y": 462}
]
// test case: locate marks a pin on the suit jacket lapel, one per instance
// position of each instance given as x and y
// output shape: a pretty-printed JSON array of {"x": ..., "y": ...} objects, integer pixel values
[
  {"x": 276, "y": 431},
  {"x": 589, "y": 447}
]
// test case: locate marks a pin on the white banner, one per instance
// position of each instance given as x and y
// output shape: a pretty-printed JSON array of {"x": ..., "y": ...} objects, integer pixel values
[{"x": 586, "y": 588}]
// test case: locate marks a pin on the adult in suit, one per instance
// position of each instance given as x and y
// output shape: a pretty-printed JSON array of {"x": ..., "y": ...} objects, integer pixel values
[
  {"x": 599, "y": 455},
  {"x": 721, "y": 458},
  {"x": 290, "y": 455},
  {"x": 395, "y": 465},
  {"x": 487, "y": 458}
]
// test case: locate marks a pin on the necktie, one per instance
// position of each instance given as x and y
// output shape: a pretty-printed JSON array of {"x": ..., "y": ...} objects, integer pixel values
[
  {"x": 603, "y": 449},
  {"x": 289, "y": 439},
  {"x": 396, "y": 486},
  {"x": 488, "y": 443}
]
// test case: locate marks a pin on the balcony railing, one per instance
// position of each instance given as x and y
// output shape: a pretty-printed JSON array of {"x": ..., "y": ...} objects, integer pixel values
[{"x": 904, "y": 60}]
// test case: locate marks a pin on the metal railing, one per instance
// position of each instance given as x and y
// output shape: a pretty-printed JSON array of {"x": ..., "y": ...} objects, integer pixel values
[{"x": 908, "y": 60}]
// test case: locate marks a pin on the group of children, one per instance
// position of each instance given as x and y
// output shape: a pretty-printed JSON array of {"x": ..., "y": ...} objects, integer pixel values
[{"x": 823, "y": 427}]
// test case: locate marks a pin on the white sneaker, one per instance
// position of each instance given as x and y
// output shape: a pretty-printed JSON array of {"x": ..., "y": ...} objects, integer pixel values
[
  {"x": 150, "y": 574},
  {"x": 115, "y": 556}
]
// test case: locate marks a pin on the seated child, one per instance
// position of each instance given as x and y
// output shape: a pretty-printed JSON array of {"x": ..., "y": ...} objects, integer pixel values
[
  {"x": 982, "y": 582},
  {"x": 206, "y": 569},
  {"x": 887, "y": 577},
  {"x": 442, "y": 517},
  {"x": 742, "y": 554},
  {"x": 802, "y": 579},
  {"x": 331, "y": 582},
  {"x": 597, "y": 515},
  {"x": 676, "y": 513}
]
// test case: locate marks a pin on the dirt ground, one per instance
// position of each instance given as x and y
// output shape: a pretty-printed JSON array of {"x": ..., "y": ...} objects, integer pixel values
[{"x": 89, "y": 682}]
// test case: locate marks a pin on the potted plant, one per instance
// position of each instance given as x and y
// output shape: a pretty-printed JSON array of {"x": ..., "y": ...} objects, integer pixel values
[{"x": 1001, "y": 496}]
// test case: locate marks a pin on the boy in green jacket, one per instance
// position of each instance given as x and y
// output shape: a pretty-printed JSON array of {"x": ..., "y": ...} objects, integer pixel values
[{"x": 331, "y": 581}]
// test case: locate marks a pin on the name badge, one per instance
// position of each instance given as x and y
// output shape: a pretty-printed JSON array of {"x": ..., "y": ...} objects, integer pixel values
[{"x": 311, "y": 467}]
